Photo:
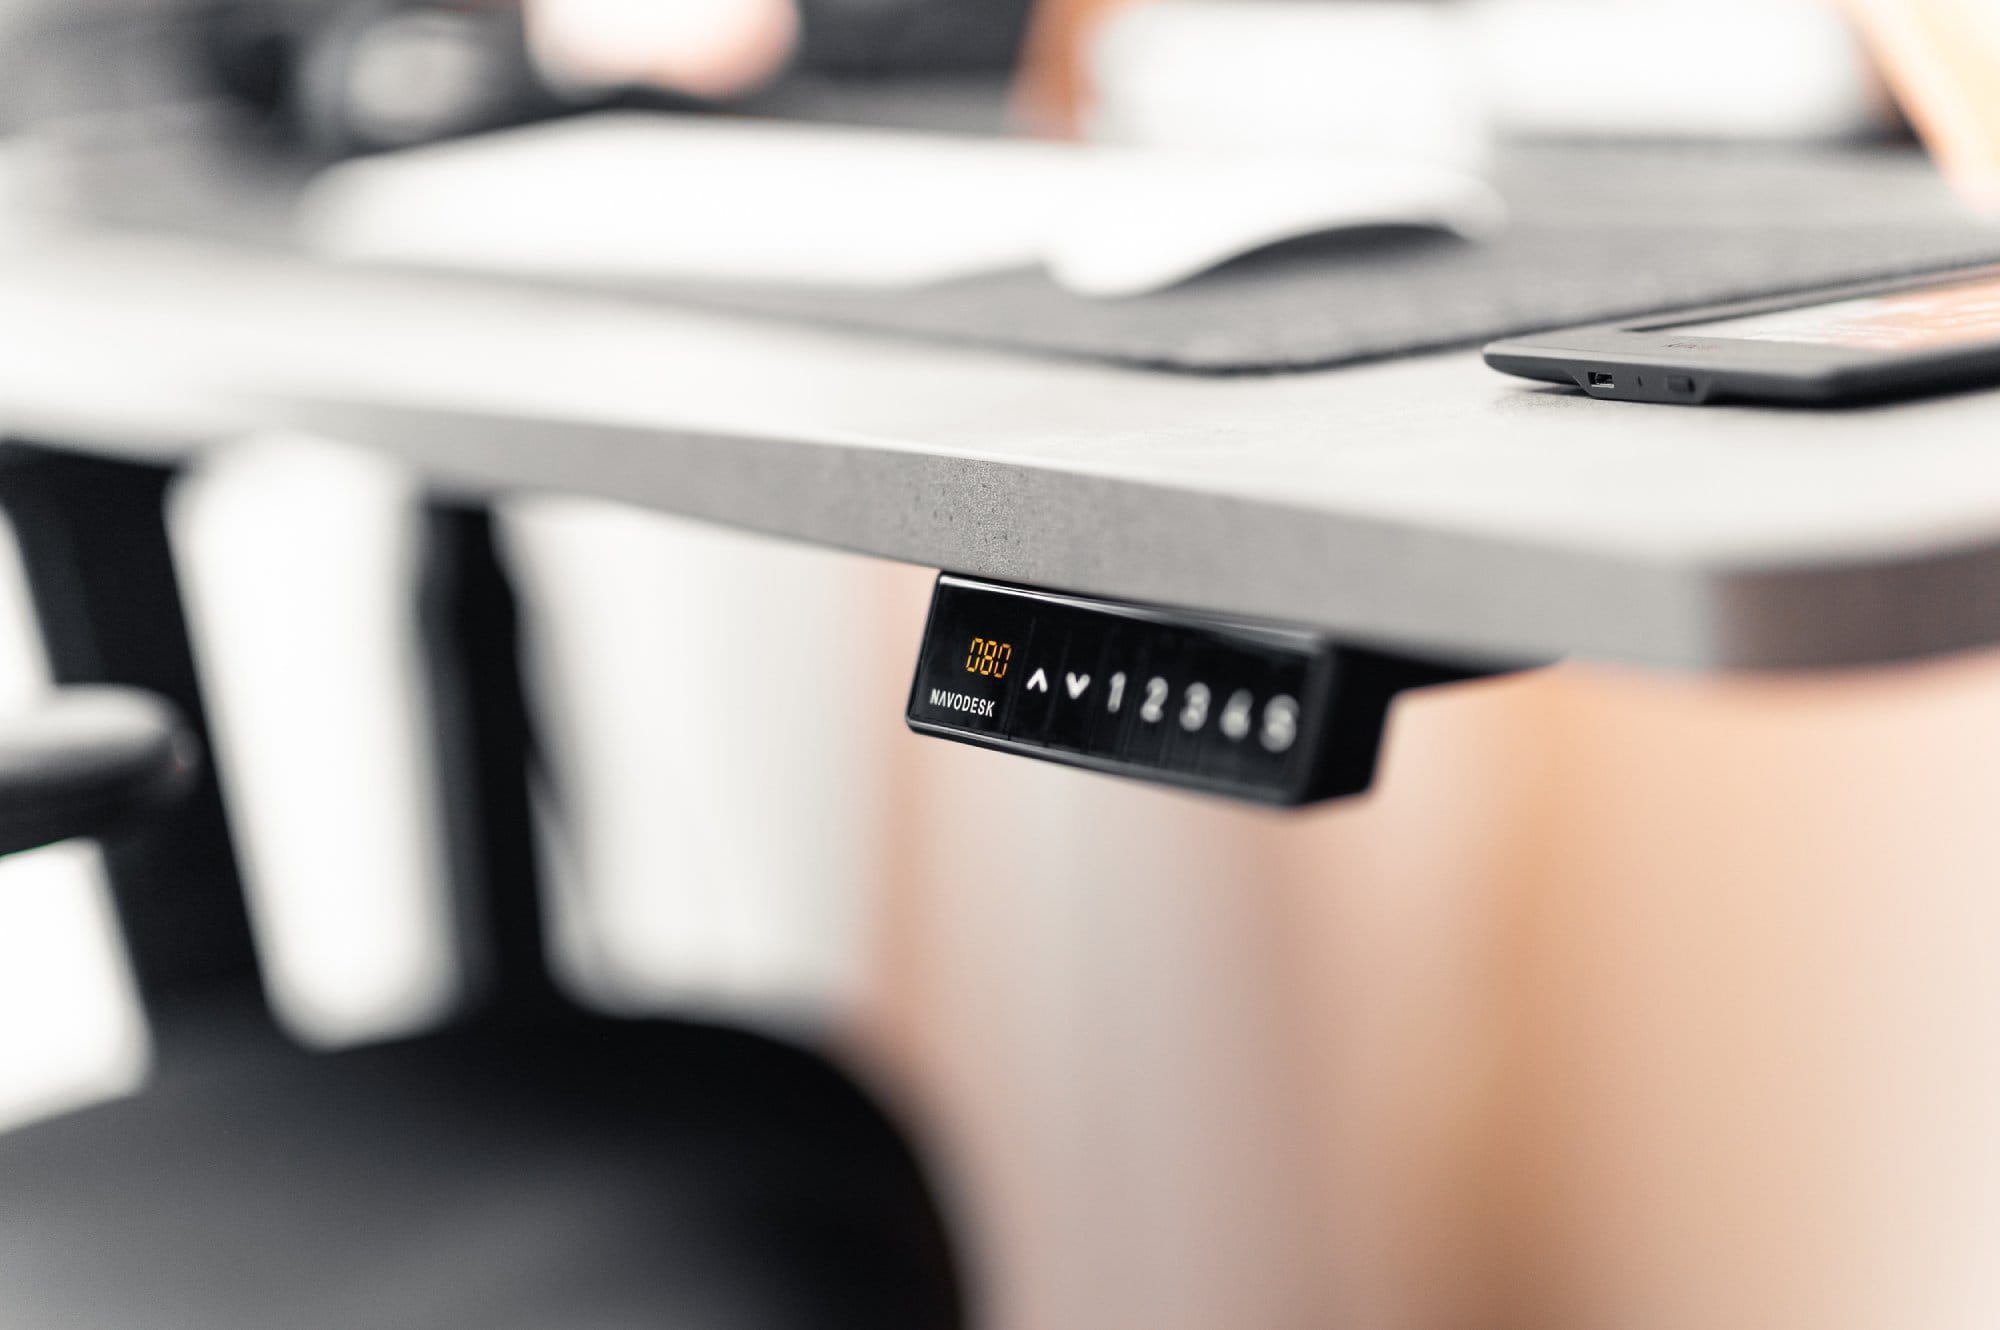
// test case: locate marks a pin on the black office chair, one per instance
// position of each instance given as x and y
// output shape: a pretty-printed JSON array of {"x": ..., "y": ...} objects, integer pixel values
[{"x": 531, "y": 1166}]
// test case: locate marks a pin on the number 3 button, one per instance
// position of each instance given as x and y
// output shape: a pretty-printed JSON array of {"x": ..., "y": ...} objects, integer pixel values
[{"x": 1194, "y": 707}]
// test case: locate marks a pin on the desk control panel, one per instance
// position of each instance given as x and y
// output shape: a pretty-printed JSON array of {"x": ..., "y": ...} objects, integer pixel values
[{"x": 1270, "y": 714}]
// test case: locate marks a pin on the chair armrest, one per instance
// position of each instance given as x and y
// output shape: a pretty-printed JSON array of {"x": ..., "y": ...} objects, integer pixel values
[{"x": 87, "y": 759}]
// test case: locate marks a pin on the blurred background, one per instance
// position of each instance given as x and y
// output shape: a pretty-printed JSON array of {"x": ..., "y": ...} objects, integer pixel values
[{"x": 1624, "y": 1000}]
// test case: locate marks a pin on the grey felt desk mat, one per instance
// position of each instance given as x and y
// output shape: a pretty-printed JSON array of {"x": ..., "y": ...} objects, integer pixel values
[{"x": 1596, "y": 234}]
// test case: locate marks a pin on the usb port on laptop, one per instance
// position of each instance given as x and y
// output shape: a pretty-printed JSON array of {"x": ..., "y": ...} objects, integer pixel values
[{"x": 1601, "y": 379}]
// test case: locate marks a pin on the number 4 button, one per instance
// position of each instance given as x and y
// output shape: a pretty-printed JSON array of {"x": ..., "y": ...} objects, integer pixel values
[
  {"x": 1235, "y": 721},
  {"x": 1281, "y": 724}
]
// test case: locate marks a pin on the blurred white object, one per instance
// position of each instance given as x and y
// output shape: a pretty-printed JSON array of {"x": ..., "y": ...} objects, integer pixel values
[
  {"x": 412, "y": 76},
  {"x": 1363, "y": 80},
  {"x": 635, "y": 196},
  {"x": 1435, "y": 83},
  {"x": 1717, "y": 69},
  {"x": 700, "y": 697},
  {"x": 1173, "y": 217},
  {"x": 299, "y": 562},
  {"x": 70, "y": 1026}
]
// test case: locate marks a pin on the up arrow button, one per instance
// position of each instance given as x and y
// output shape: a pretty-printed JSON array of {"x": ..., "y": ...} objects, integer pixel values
[{"x": 1038, "y": 682}]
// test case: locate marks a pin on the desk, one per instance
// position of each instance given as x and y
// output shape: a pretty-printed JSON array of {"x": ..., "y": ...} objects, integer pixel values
[{"x": 1426, "y": 503}]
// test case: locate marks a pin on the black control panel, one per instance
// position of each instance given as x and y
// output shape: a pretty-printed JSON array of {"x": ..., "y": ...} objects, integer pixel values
[{"x": 1271, "y": 714}]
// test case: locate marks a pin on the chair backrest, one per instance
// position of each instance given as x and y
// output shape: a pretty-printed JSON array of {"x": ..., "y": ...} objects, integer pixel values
[{"x": 94, "y": 542}]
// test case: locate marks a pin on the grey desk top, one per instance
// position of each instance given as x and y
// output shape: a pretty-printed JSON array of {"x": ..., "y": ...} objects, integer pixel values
[{"x": 1425, "y": 502}]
